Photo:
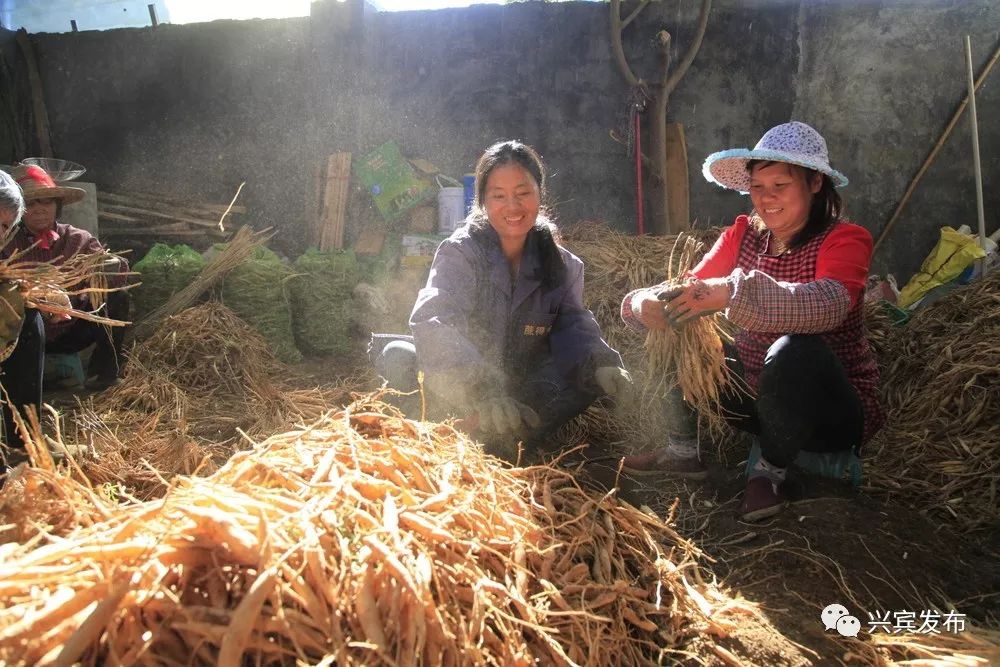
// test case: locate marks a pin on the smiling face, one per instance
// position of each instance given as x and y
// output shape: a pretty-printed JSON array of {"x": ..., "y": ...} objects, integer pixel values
[
  {"x": 41, "y": 214},
  {"x": 782, "y": 195},
  {"x": 512, "y": 199}
]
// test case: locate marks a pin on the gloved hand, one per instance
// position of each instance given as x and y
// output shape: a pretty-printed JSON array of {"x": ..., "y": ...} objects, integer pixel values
[
  {"x": 617, "y": 383},
  {"x": 502, "y": 414},
  {"x": 11, "y": 317}
]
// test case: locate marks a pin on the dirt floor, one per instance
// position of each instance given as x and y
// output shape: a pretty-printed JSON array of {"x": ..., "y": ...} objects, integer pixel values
[{"x": 833, "y": 544}]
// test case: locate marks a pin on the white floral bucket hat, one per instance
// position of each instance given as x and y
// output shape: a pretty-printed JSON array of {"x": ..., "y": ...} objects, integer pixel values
[{"x": 794, "y": 142}]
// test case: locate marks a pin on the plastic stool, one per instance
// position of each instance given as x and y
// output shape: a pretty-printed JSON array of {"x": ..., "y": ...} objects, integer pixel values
[{"x": 63, "y": 370}]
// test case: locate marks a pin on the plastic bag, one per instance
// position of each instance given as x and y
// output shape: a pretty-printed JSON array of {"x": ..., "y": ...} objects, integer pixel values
[{"x": 952, "y": 254}]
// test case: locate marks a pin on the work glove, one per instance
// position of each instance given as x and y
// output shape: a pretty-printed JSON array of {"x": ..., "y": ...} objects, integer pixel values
[
  {"x": 617, "y": 383},
  {"x": 502, "y": 415},
  {"x": 11, "y": 317}
]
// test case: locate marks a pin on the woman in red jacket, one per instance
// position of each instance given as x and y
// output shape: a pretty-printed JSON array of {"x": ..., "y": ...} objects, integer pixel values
[{"x": 791, "y": 276}]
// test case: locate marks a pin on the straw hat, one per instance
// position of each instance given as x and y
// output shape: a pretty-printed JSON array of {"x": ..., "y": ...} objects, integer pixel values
[
  {"x": 794, "y": 142},
  {"x": 37, "y": 184}
]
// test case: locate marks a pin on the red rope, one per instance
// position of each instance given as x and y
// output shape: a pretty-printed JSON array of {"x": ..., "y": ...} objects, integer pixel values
[{"x": 640, "y": 224}]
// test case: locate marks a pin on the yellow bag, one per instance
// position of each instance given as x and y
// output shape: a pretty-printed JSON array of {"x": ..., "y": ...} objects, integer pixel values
[{"x": 954, "y": 251}]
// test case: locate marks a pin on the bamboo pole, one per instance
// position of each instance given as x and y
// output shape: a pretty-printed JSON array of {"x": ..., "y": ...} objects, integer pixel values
[{"x": 974, "y": 124}]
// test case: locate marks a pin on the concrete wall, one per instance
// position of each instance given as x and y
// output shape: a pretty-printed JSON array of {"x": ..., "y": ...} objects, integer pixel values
[{"x": 200, "y": 108}]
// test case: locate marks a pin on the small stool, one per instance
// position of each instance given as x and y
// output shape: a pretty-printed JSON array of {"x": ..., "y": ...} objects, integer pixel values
[{"x": 63, "y": 371}]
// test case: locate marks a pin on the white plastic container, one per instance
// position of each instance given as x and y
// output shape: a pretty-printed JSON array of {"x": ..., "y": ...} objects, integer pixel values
[{"x": 451, "y": 209}]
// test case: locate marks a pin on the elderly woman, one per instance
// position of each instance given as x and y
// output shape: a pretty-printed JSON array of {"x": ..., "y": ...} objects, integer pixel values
[
  {"x": 40, "y": 237},
  {"x": 22, "y": 332},
  {"x": 791, "y": 276},
  {"x": 500, "y": 330}
]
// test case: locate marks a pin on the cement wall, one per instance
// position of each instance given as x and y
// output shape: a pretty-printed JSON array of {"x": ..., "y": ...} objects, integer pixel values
[{"x": 200, "y": 108}]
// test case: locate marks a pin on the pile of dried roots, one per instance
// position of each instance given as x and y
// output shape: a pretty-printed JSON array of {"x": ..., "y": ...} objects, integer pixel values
[
  {"x": 941, "y": 389},
  {"x": 363, "y": 539},
  {"x": 193, "y": 393}
]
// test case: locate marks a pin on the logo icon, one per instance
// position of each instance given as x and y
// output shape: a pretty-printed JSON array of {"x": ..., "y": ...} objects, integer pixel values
[
  {"x": 848, "y": 626},
  {"x": 831, "y": 614}
]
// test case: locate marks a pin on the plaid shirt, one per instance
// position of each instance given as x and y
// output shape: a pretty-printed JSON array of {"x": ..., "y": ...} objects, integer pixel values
[
  {"x": 56, "y": 246},
  {"x": 814, "y": 289}
]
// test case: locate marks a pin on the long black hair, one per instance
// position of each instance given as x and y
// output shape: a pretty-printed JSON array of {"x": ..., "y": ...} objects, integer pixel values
[
  {"x": 544, "y": 231},
  {"x": 826, "y": 204}
]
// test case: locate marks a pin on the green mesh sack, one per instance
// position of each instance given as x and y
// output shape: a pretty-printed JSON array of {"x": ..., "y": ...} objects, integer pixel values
[
  {"x": 165, "y": 270},
  {"x": 322, "y": 308},
  {"x": 257, "y": 291}
]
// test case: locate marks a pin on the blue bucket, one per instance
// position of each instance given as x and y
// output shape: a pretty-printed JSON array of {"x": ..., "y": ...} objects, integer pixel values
[{"x": 469, "y": 183}]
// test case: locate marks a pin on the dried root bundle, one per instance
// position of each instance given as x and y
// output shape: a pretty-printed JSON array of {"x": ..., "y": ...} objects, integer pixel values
[
  {"x": 364, "y": 539},
  {"x": 617, "y": 263},
  {"x": 693, "y": 356},
  {"x": 81, "y": 275}
]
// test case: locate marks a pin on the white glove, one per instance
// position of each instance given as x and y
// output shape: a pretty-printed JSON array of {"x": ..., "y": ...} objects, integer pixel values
[
  {"x": 617, "y": 383},
  {"x": 505, "y": 415}
]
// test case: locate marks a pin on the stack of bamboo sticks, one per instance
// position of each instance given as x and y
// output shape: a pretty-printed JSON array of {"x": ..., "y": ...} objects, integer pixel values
[{"x": 136, "y": 215}]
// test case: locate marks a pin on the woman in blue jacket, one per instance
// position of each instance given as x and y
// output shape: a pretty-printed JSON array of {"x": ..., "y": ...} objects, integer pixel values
[{"x": 500, "y": 330}]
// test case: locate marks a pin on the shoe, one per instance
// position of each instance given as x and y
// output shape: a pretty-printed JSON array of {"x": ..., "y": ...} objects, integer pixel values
[
  {"x": 659, "y": 462},
  {"x": 762, "y": 499}
]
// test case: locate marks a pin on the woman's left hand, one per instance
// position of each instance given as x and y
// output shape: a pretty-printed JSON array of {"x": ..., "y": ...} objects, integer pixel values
[{"x": 697, "y": 298}]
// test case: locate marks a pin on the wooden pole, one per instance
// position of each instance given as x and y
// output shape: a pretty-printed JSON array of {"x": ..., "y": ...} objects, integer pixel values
[
  {"x": 974, "y": 124},
  {"x": 934, "y": 151}
]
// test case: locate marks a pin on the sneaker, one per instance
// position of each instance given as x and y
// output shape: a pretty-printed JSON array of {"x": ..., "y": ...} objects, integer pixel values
[
  {"x": 762, "y": 499},
  {"x": 660, "y": 462}
]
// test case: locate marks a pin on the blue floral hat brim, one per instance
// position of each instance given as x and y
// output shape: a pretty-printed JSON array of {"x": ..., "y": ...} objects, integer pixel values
[{"x": 729, "y": 168}]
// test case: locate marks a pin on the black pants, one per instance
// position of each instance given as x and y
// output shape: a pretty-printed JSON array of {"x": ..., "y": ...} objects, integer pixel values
[
  {"x": 107, "y": 361},
  {"x": 22, "y": 375},
  {"x": 804, "y": 401}
]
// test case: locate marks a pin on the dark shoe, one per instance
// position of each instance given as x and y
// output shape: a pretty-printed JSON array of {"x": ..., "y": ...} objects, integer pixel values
[
  {"x": 660, "y": 462},
  {"x": 762, "y": 499}
]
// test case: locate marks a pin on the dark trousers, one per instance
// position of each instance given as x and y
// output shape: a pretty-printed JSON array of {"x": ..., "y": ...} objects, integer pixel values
[
  {"x": 22, "y": 375},
  {"x": 804, "y": 401},
  {"x": 107, "y": 361},
  {"x": 556, "y": 400}
]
